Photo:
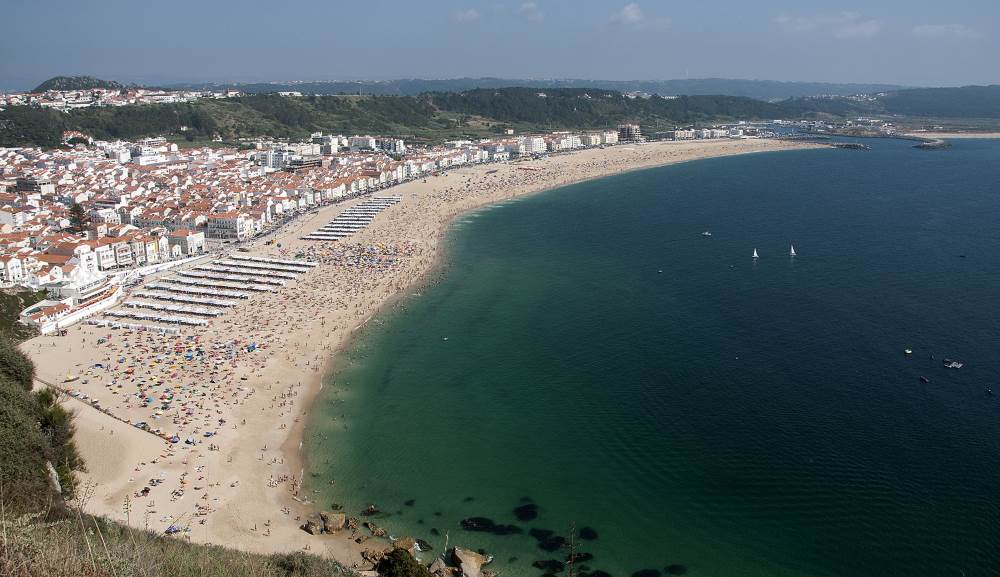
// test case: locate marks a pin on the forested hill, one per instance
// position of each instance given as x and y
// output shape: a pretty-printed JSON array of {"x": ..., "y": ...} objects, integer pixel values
[
  {"x": 437, "y": 116},
  {"x": 961, "y": 102},
  {"x": 76, "y": 83},
  {"x": 428, "y": 117},
  {"x": 770, "y": 90},
  {"x": 596, "y": 108}
]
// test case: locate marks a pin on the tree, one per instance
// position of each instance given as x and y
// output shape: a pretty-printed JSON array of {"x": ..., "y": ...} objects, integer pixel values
[{"x": 79, "y": 221}]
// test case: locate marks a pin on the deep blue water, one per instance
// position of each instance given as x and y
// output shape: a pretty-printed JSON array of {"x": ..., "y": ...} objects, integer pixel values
[{"x": 739, "y": 418}]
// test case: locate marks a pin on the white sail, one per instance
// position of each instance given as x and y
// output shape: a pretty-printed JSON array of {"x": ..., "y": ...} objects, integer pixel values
[
  {"x": 755, "y": 253},
  {"x": 791, "y": 251}
]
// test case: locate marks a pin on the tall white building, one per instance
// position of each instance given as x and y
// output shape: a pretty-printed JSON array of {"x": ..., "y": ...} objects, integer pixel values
[
  {"x": 362, "y": 142},
  {"x": 533, "y": 145}
]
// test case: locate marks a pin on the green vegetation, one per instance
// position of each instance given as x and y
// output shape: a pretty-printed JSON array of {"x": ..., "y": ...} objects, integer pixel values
[
  {"x": 399, "y": 563},
  {"x": 437, "y": 116},
  {"x": 963, "y": 102},
  {"x": 78, "y": 219},
  {"x": 23, "y": 125},
  {"x": 43, "y": 536},
  {"x": 82, "y": 545},
  {"x": 76, "y": 83},
  {"x": 11, "y": 304},
  {"x": 36, "y": 436},
  {"x": 588, "y": 108},
  {"x": 427, "y": 118}
]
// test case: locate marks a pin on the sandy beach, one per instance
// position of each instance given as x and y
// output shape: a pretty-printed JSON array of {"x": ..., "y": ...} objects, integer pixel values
[{"x": 233, "y": 478}]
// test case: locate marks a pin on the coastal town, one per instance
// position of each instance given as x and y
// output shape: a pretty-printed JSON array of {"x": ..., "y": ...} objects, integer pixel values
[
  {"x": 66, "y": 100},
  {"x": 85, "y": 221},
  {"x": 193, "y": 310}
]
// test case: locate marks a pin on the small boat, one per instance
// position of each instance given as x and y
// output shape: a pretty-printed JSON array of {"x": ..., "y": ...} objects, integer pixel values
[
  {"x": 755, "y": 253},
  {"x": 950, "y": 364},
  {"x": 706, "y": 233},
  {"x": 791, "y": 251},
  {"x": 908, "y": 351},
  {"x": 989, "y": 391},
  {"x": 924, "y": 380}
]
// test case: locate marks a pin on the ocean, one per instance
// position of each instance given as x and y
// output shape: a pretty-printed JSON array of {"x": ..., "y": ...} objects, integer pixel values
[{"x": 587, "y": 350}]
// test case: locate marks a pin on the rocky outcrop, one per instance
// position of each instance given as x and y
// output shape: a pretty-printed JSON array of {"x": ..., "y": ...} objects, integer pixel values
[
  {"x": 439, "y": 569},
  {"x": 408, "y": 544},
  {"x": 469, "y": 562},
  {"x": 375, "y": 529},
  {"x": 373, "y": 556},
  {"x": 312, "y": 527},
  {"x": 333, "y": 522}
]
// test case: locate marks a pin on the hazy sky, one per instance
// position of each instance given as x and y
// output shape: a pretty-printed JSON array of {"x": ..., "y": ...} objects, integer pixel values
[{"x": 917, "y": 42}]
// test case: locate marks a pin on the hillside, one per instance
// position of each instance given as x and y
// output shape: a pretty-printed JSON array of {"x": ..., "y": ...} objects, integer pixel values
[
  {"x": 760, "y": 89},
  {"x": 12, "y": 302},
  {"x": 431, "y": 117},
  {"x": 437, "y": 116},
  {"x": 76, "y": 83},
  {"x": 960, "y": 102},
  {"x": 595, "y": 108}
]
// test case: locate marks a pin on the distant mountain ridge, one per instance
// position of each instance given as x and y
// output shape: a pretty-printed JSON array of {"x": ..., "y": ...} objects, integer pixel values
[
  {"x": 77, "y": 83},
  {"x": 958, "y": 102},
  {"x": 769, "y": 90}
]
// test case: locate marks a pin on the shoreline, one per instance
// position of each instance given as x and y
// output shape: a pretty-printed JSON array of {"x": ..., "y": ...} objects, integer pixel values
[{"x": 309, "y": 324}]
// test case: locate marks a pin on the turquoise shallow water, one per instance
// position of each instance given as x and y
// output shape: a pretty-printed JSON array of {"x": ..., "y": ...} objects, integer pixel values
[{"x": 736, "y": 418}]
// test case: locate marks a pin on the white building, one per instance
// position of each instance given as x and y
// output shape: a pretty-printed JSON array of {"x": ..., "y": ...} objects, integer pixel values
[
  {"x": 532, "y": 145},
  {"x": 11, "y": 270},
  {"x": 362, "y": 142},
  {"x": 229, "y": 226}
]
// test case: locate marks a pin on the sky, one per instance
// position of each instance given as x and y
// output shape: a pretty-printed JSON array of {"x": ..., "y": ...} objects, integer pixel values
[{"x": 910, "y": 42}]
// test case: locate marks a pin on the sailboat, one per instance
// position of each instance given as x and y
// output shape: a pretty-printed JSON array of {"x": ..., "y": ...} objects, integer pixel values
[
  {"x": 755, "y": 253},
  {"x": 791, "y": 251}
]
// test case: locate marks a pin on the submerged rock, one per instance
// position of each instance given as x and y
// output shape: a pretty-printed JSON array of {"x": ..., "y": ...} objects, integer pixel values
[
  {"x": 549, "y": 565},
  {"x": 486, "y": 525},
  {"x": 579, "y": 557},
  {"x": 588, "y": 533},
  {"x": 409, "y": 502},
  {"x": 434, "y": 531},
  {"x": 526, "y": 512},
  {"x": 541, "y": 534},
  {"x": 594, "y": 573},
  {"x": 554, "y": 543},
  {"x": 647, "y": 573},
  {"x": 676, "y": 569}
]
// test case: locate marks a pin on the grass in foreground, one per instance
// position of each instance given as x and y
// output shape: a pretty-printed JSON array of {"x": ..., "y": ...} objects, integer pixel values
[{"x": 86, "y": 546}]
